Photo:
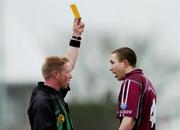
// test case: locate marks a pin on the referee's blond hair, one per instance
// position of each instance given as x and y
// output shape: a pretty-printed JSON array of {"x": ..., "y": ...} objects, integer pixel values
[{"x": 53, "y": 63}]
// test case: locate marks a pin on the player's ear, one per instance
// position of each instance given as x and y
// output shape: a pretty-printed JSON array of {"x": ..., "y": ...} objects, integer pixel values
[{"x": 126, "y": 63}]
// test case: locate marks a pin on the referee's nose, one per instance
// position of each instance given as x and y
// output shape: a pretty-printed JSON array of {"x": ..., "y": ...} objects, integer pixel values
[{"x": 70, "y": 76}]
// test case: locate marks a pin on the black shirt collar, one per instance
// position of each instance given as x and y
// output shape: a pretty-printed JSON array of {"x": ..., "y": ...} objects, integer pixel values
[{"x": 61, "y": 92}]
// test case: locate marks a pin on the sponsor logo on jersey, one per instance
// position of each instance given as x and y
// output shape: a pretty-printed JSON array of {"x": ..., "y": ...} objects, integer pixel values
[
  {"x": 123, "y": 106},
  {"x": 126, "y": 112}
]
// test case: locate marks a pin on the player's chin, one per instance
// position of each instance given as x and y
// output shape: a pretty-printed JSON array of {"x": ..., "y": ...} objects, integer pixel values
[
  {"x": 116, "y": 77},
  {"x": 119, "y": 78}
]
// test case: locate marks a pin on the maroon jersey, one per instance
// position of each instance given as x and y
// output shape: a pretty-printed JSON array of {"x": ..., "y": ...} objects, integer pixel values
[{"x": 137, "y": 99}]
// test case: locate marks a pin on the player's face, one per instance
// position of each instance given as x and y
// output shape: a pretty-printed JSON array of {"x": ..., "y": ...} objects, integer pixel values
[
  {"x": 65, "y": 75},
  {"x": 116, "y": 67}
]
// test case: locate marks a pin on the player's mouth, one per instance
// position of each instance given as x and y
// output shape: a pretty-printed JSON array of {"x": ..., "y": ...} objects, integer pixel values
[{"x": 115, "y": 75}]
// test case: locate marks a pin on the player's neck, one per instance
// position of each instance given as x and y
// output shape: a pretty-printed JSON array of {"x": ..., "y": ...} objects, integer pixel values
[{"x": 129, "y": 69}]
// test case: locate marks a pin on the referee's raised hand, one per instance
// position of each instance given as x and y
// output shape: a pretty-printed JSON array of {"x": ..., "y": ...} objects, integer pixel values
[{"x": 78, "y": 27}]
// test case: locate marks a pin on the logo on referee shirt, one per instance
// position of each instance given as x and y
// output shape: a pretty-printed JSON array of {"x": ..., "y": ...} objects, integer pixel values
[
  {"x": 123, "y": 106},
  {"x": 61, "y": 118}
]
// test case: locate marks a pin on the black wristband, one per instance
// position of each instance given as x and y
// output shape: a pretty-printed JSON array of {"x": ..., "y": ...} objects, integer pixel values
[
  {"x": 75, "y": 43},
  {"x": 77, "y": 38}
]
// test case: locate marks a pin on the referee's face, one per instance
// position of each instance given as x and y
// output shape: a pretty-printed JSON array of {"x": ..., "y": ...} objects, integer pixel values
[
  {"x": 116, "y": 67},
  {"x": 65, "y": 75}
]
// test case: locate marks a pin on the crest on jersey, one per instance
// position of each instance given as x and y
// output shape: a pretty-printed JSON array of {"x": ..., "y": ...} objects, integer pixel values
[
  {"x": 61, "y": 118},
  {"x": 123, "y": 106}
]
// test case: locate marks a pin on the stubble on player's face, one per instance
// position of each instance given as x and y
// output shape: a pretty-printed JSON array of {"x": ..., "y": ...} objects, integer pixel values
[{"x": 117, "y": 68}]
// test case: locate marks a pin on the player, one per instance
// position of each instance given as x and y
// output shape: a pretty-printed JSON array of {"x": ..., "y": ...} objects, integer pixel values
[{"x": 136, "y": 108}]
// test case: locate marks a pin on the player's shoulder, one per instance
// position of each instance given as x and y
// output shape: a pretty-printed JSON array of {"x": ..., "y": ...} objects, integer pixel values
[{"x": 134, "y": 81}]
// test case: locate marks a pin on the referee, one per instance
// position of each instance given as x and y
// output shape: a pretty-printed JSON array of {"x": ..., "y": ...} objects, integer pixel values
[{"x": 47, "y": 109}]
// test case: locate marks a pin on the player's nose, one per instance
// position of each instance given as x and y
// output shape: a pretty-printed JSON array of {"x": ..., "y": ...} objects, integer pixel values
[{"x": 110, "y": 68}]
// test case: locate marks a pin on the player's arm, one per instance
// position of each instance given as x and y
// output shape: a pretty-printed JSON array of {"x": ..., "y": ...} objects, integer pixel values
[
  {"x": 127, "y": 123},
  {"x": 73, "y": 50}
]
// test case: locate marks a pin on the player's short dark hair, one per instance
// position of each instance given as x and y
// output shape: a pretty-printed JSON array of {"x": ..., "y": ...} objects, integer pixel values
[{"x": 126, "y": 53}]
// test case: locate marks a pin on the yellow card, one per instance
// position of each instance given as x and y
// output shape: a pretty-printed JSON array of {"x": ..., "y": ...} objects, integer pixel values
[{"x": 75, "y": 11}]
